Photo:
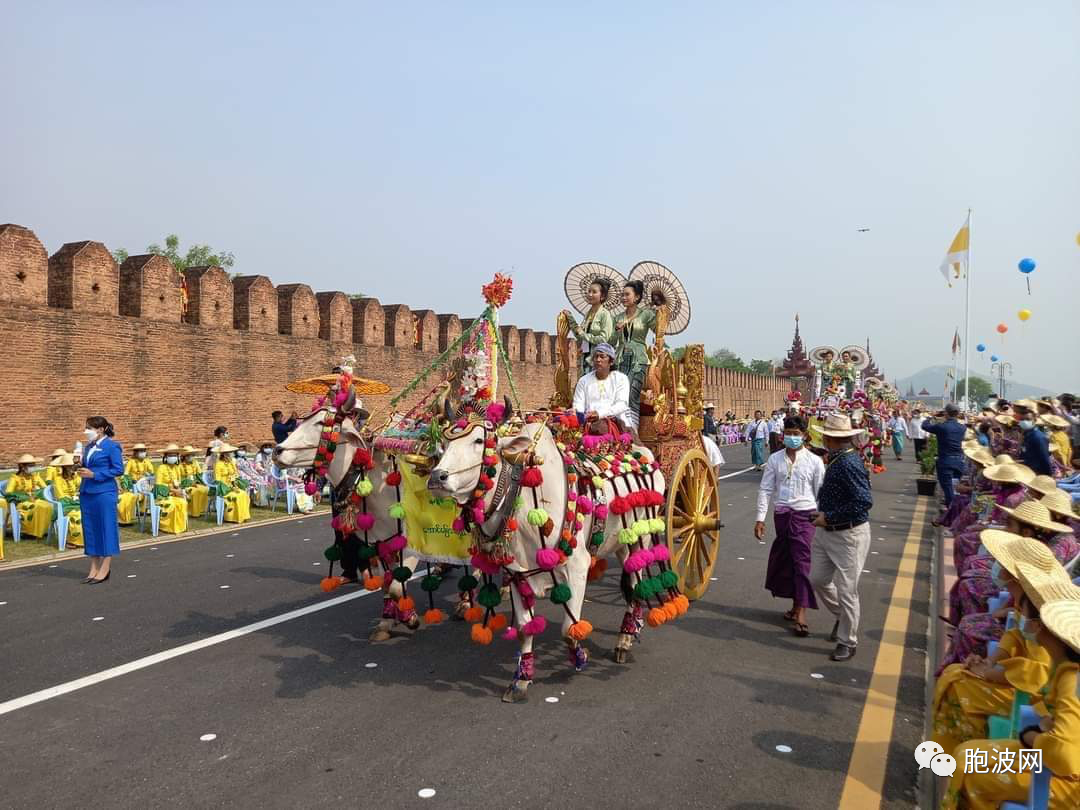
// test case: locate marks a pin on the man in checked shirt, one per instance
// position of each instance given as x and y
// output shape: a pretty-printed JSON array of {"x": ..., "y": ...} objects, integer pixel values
[{"x": 839, "y": 553}]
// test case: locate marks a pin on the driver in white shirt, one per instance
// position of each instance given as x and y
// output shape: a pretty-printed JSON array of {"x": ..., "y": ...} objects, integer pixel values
[{"x": 602, "y": 396}]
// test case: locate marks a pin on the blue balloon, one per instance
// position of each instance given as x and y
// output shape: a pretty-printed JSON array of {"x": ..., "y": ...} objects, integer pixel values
[
  {"x": 981, "y": 347},
  {"x": 1027, "y": 265},
  {"x": 994, "y": 358}
]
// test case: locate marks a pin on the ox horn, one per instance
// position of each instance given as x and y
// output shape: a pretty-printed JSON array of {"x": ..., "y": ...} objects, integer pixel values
[
  {"x": 508, "y": 407},
  {"x": 448, "y": 414}
]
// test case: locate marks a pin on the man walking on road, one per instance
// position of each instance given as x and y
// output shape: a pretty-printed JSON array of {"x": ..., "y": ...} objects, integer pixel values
[
  {"x": 916, "y": 433},
  {"x": 756, "y": 433},
  {"x": 795, "y": 475},
  {"x": 839, "y": 553},
  {"x": 950, "y": 449}
]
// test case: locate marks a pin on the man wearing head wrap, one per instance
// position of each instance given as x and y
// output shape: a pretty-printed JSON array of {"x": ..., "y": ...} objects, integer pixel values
[{"x": 603, "y": 394}]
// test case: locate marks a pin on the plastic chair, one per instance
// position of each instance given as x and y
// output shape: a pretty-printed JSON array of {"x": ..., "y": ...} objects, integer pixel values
[
  {"x": 219, "y": 501},
  {"x": 997, "y": 602},
  {"x": 280, "y": 483},
  {"x": 60, "y": 523},
  {"x": 144, "y": 488},
  {"x": 1038, "y": 793},
  {"x": 16, "y": 521},
  {"x": 1000, "y": 727}
]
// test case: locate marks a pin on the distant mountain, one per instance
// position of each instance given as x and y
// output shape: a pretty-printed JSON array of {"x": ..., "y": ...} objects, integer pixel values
[{"x": 933, "y": 380}]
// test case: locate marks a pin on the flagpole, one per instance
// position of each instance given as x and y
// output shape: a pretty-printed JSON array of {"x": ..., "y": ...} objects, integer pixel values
[{"x": 967, "y": 316}]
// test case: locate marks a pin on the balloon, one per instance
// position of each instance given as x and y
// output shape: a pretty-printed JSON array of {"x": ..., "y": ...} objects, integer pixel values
[
  {"x": 1002, "y": 328},
  {"x": 981, "y": 347},
  {"x": 1023, "y": 314},
  {"x": 1027, "y": 265},
  {"x": 994, "y": 358}
]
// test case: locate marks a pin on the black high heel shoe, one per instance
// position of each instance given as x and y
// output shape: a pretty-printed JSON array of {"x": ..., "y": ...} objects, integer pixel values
[{"x": 99, "y": 581}]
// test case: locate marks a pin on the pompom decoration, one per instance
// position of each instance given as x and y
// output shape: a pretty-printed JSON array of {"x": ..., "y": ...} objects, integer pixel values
[
  {"x": 660, "y": 553},
  {"x": 373, "y": 583},
  {"x": 393, "y": 479},
  {"x": 585, "y": 505},
  {"x": 430, "y": 583},
  {"x": 478, "y": 514},
  {"x": 670, "y": 610},
  {"x": 402, "y": 573},
  {"x": 547, "y": 558},
  {"x": 537, "y": 517},
  {"x": 532, "y": 477},
  {"x": 669, "y": 579},
  {"x": 364, "y": 487},
  {"x": 490, "y": 596},
  {"x": 655, "y": 617},
  {"x": 560, "y": 594},
  {"x": 406, "y": 604},
  {"x": 495, "y": 412},
  {"x": 656, "y": 526},
  {"x": 534, "y": 626},
  {"x": 579, "y": 630},
  {"x": 510, "y": 634},
  {"x": 474, "y": 613},
  {"x": 434, "y": 616},
  {"x": 497, "y": 622},
  {"x": 600, "y": 511},
  {"x": 597, "y": 538},
  {"x": 485, "y": 563},
  {"x": 367, "y": 552},
  {"x": 458, "y": 526},
  {"x": 392, "y": 546},
  {"x": 597, "y": 568},
  {"x": 329, "y": 583},
  {"x": 310, "y": 488},
  {"x": 397, "y": 511},
  {"x": 682, "y": 603},
  {"x": 365, "y": 521},
  {"x": 627, "y": 536},
  {"x": 641, "y": 527},
  {"x": 481, "y": 634},
  {"x": 498, "y": 292},
  {"x": 332, "y": 553}
]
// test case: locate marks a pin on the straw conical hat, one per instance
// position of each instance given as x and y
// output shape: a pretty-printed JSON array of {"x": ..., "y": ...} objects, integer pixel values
[
  {"x": 225, "y": 448},
  {"x": 1010, "y": 550},
  {"x": 1035, "y": 514},
  {"x": 979, "y": 455},
  {"x": 1043, "y": 484},
  {"x": 1053, "y": 420},
  {"x": 1042, "y": 587},
  {"x": 1004, "y": 458},
  {"x": 187, "y": 450},
  {"x": 26, "y": 458},
  {"x": 65, "y": 459},
  {"x": 139, "y": 446},
  {"x": 1059, "y": 503},
  {"x": 1004, "y": 419},
  {"x": 1062, "y": 618},
  {"x": 1008, "y": 474},
  {"x": 173, "y": 447},
  {"x": 59, "y": 451},
  {"x": 1030, "y": 404}
]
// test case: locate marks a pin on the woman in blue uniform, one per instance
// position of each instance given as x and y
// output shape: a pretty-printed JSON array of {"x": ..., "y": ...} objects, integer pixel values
[{"x": 102, "y": 464}]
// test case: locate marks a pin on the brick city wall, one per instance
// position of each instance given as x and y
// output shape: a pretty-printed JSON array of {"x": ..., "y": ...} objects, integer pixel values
[{"x": 84, "y": 336}]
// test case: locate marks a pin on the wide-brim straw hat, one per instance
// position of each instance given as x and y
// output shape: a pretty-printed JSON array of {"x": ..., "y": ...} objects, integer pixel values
[
  {"x": 188, "y": 450},
  {"x": 980, "y": 455},
  {"x": 1059, "y": 502},
  {"x": 59, "y": 451},
  {"x": 1062, "y": 618},
  {"x": 1005, "y": 419},
  {"x": 1010, "y": 550},
  {"x": 709, "y": 405},
  {"x": 324, "y": 382},
  {"x": 1033, "y": 513},
  {"x": 1043, "y": 484},
  {"x": 139, "y": 446},
  {"x": 65, "y": 459},
  {"x": 172, "y": 447},
  {"x": 1008, "y": 473},
  {"x": 839, "y": 426},
  {"x": 26, "y": 458},
  {"x": 1053, "y": 420},
  {"x": 1042, "y": 587},
  {"x": 1004, "y": 458},
  {"x": 225, "y": 448}
]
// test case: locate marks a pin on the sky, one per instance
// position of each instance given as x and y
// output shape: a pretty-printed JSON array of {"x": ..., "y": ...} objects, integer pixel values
[{"x": 409, "y": 151}]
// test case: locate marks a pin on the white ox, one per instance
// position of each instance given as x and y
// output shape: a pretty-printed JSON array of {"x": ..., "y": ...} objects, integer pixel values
[
  {"x": 299, "y": 449},
  {"x": 457, "y": 476}
]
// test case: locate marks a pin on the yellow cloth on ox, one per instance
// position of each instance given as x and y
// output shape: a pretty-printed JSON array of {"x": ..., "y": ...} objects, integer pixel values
[{"x": 429, "y": 525}]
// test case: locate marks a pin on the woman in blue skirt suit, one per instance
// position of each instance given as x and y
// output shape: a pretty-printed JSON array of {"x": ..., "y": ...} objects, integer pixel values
[{"x": 102, "y": 464}]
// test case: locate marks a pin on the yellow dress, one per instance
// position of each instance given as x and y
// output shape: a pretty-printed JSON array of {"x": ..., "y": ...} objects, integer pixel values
[
  {"x": 49, "y": 473},
  {"x": 135, "y": 469},
  {"x": 1060, "y": 754},
  {"x": 66, "y": 490},
  {"x": 35, "y": 513},
  {"x": 237, "y": 501},
  {"x": 1061, "y": 447},
  {"x": 198, "y": 493},
  {"x": 173, "y": 509},
  {"x": 963, "y": 701}
]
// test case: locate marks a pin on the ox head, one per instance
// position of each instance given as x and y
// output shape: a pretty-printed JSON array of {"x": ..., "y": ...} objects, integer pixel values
[
  {"x": 458, "y": 470},
  {"x": 298, "y": 449}
]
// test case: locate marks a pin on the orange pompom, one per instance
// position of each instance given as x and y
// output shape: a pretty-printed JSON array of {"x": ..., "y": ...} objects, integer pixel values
[
  {"x": 655, "y": 617},
  {"x": 579, "y": 630},
  {"x": 433, "y": 616},
  {"x": 597, "y": 568},
  {"x": 406, "y": 603},
  {"x": 329, "y": 583},
  {"x": 497, "y": 622},
  {"x": 481, "y": 634},
  {"x": 567, "y": 535},
  {"x": 670, "y": 610},
  {"x": 373, "y": 583},
  {"x": 474, "y": 614},
  {"x": 682, "y": 603}
]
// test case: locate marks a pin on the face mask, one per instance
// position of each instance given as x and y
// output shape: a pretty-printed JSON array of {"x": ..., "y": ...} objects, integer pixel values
[
  {"x": 793, "y": 442},
  {"x": 241, "y": 454},
  {"x": 171, "y": 459},
  {"x": 1026, "y": 424},
  {"x": 91, "y": 434},
  {"x": 140, "y": 454},
  {"x": 1025, "y": 629},
  {"x": 995, "y": 573}
]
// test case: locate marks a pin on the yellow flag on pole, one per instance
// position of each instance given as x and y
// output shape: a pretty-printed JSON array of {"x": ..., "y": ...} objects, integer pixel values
[{"x": 955, "y": 264}]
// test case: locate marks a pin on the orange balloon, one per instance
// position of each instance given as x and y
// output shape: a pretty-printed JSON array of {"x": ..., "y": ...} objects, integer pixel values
[{"x": 1002, "y": 328}]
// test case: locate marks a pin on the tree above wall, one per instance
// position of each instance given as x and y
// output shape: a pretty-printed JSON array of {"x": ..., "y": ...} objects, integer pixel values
[{"x": 196, "y": 255}]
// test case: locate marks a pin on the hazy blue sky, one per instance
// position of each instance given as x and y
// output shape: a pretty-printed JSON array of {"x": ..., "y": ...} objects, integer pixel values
[{"x": 409, "y": 150}]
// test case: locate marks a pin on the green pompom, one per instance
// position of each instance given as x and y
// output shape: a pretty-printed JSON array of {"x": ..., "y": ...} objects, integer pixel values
[
  {"x": 641, "y": 527},
  {"x": 333, "y": 553},
  {"x": 560, "y": 594},
  {"x": 490, "y": 596},
  {"x": 491, "y": 471},
  {"x": 518, "y": 502},
  {"x": 467, "y": 583},
  {"x": 565, "y": 547},
  {"x": 636, "y": 454},
  {"x": 627, "y": 536},
  {"x": 645, "y": 589},
  {"x": 397, "y": 511},
  {"x": 537, "y": 517},
  {"x": 430, "y": 583},
  {"x": 364, "y": 487},
  {"x": 597, "y": 538},
  {"x": 669, "y": 579},
  {"x": 402, "y": 573},
  {"x": 598, "y": 482},
  {"x": 331, "y": 447},
  {"x": 367, "y": 552},
  {"x": 656, "y": 526}
]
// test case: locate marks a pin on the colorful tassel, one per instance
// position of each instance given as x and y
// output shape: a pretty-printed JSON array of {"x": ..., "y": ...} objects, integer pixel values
[
  {"x": 434, "y": 616},
  {"x": 579, "y": 630},
  {"x": 547, "y": 558},
  {"x": 474, "y": 613},
  {"x": 481, "y": 634},
  {"x": 394, "y": 478},
  {"x": 537, "y": 517},
  {"x": 397, "y": 512}
]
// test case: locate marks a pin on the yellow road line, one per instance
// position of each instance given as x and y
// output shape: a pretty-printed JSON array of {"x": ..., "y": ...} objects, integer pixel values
[{"x": 866, "y": 771}]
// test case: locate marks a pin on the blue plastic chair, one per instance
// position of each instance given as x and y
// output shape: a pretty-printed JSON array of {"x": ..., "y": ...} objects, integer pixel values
[
  {"x": 219, "y": 501},
  {"x": 280, "y": 483},
  {"x": 16, "y": 521},
  {"x": 60, "y": 522},
  {"x": 144, "y": 488},
  {"x": 1038, "y": 793}
]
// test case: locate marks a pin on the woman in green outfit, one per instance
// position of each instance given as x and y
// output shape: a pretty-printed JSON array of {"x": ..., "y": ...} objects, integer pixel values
[
  {"x": 630, "y": 333},
  {"x": 598, "y": 326}
]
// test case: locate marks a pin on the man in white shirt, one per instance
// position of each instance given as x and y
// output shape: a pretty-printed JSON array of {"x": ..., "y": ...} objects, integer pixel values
[
  {"x": 603, "y": 395},
  {"x": 776, "y": 432},
  {"x": 794, "y": 477},
  {"x": 756, "y": 433},
  {"x": 916, "y": 432}
]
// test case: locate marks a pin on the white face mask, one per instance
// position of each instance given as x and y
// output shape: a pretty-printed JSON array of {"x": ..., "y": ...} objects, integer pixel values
[
  {"x": 241, "y": 454},
  {"x": 91, "y": 434},
  {"x": 171, "y": 459},
  {"x": 140, "y": 454}
]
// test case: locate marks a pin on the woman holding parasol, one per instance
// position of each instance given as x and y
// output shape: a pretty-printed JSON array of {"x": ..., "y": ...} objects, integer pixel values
[{"x": 589, "y": 289}]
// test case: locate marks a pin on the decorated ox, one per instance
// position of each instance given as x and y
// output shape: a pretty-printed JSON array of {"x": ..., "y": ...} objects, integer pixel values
[{"x": 536, "y": 507}]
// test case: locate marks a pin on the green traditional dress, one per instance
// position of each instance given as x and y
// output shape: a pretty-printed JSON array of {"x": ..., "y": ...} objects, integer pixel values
[
  {"x": 598, "y": 327},
  {"x": 633, "y": 359}
]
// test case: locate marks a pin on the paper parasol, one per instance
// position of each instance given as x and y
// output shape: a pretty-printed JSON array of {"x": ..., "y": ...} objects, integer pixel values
[
  {"x": 872, "y": 384},
  {"x": 321, "y": 384},
  {"x": 657, "y": 277},
  {"x": 858, "y": 356},
  {"x": 581, "y": 276},
  {"x": 817, "y": 356}
]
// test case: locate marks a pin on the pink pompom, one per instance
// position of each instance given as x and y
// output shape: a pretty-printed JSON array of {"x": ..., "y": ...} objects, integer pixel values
[
  {"x": 340, "y": 398},
  {"x": 335, "y": 523},
  {"x": 510, "y": 634},
  {"x": 590, "y": 442},
  {"x": 485, "y": 564},
  {"x": 525, "y": 589},
  {"x": 458, "y": 525},
  {"x": 660, "y": 553},
  {"x": 547, "y": 558},
  {"x": 495, "y": 412},
  {"x": 310, "y": 488},
  {"x": 600, "y": 512},
  {"x": 535, "y": 626},
  {"x": 647, "y": 556},
  {"x": 388, "y": 548},
  {"x": 633, "y": 563},
  {"x": 571, "y": 495},
  {"x": 585, "y": 505},
  {"x": 460, "y": 423},
  {"x": 364, "y": 521},
  {"x": 626, "y": 438},
  {"x": 478, "y": 514}
]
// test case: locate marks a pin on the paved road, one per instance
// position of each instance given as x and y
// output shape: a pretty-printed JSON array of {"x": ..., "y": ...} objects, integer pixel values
[{"x": 302, "y": 718}]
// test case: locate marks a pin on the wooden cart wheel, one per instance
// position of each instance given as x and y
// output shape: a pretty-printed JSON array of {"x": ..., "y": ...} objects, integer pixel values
[{"x": 693, "y": 520}]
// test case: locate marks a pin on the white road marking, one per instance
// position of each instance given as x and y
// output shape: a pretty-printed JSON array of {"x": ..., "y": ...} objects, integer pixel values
[
  {"x": 551, "y": 699},
  {"x": 167, "y": 655},
  {"x": 425, "y": 793},
  {"x": 97, "y": 618},
  {"x": 131, "y": 576},
  {"x": 732, "y": 475},
  {"x": 230, "y": 555},
  {"x": 370, "y": 665},
  {"x": 53, "y": 565},
  {"x": 208, "y": 737},
  {"x": 784, "y": 749},
  {"x": 224, "y": 587},
  {"x": 817, "y": 675}
]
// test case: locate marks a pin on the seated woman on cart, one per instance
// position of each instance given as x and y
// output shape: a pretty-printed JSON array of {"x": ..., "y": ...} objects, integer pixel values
[{"x": 602, "y": 397}]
